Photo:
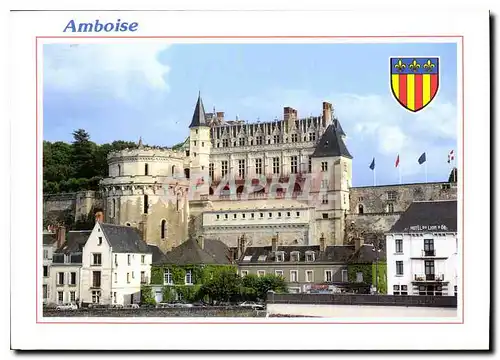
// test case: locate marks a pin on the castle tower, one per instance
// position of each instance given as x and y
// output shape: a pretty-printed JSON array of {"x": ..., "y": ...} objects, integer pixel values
[{"x": 332, "y": 162}]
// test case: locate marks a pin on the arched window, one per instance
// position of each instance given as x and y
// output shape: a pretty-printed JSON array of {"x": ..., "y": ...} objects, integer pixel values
[
  {"x": 163, "y": 228},
  {"x": 361, "y": 209},
  {"x": 173, "y": 170},
  {"x": 146, "y": 169},
  {"x": 119, "y": 170}
]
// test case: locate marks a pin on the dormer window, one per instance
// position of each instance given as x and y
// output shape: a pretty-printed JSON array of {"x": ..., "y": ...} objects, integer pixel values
[
  {"x": 262, "y": 258},
  {"x": 280, "y": 256},
  {"x": 309, "y": 256},
  {"x": 295, "y": 256}
]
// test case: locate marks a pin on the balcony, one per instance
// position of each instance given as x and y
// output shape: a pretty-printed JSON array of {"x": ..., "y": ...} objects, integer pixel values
[
  {"x": 428, "y": 253},
  {"x": 429, "y": 278}
]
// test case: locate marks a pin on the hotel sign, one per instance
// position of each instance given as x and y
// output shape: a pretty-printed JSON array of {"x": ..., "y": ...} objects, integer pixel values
[{"x": 428, "y": 228}]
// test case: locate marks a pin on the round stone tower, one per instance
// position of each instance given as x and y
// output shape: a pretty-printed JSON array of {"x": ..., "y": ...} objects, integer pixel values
[{"x": 146, "y": 188}]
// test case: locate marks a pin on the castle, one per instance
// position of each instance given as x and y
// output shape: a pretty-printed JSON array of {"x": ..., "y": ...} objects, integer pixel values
[{"x": 291, "y": 177}]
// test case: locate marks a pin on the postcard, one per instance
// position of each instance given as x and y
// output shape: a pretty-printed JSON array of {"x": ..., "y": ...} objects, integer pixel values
[{"x": 239, "y": 173}]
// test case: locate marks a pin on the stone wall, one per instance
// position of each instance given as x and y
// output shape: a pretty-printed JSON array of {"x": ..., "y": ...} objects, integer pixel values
[{"x": 77, "y": 205}]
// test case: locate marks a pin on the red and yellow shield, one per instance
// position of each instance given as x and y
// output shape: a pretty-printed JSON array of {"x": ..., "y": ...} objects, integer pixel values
[{"x": 414, "y": 81}]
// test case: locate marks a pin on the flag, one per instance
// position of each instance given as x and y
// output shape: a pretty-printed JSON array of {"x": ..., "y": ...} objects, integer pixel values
[
  {"x": 397, "y": 161},
  {"x": 451, "y": 156},
  {"x": 422, "y": 159},
  {"x": 372, "y": 165},
  {"x": 199, "y": 182}
]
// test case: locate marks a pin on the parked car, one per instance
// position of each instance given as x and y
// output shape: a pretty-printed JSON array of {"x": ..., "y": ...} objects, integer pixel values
[
  {"x": 132, "y": 306},
  {"x": 67, "y": 307},
  {"x": 182, "y": 304},
  {"x": 199, "y": 304},
  {"x": 163, "y": 305},
  {"x": 253, "y": 305}
]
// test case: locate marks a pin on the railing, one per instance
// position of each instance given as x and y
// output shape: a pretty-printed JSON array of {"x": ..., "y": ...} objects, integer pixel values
[
  {"x": 257, "y": 195},
  {"x": 429, "y": 277},
  {"x": 426, "y": 253},
  {"x": 364, "y": 299}
]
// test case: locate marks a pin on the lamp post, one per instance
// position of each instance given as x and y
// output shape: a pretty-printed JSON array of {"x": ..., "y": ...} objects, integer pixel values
[{"x": 377, "y": 252}]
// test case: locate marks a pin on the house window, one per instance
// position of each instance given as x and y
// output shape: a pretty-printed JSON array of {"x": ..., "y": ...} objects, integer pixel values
[
  {"x": 309, "y": 256},
  {"x": 241, "y": 168},
  {"x": 422, "y": 290},
  {"x": 310, "y": 165},
  {"x": 45, "y": 254},
  {"x": 116, "y": 259},
  {"x": 242, "y": 141},
  {"x": 276, "y": 165},
  {"x": 60, "y": 297},
  {"x": 211, "y": 170},
  {"x": 167, "y": 277},
  {"x": 324, "y": 166},
  {"x": 293, "y": 164},
  {"x": 392, "y": 195},
  {"x": 294, "y": 138},
  {"x": 399, "y": 246},
  {"x": 143, "y": 259},
  {"x": 45, "y": 292},
  {"x": 261, "y": 273},
  {"x": 429, "y": 270},
  {"x": 119, "y": 170},
  {"x": 128, "y": 259},
  {"x": 224, "y": 168},
  {"x": 456, "y": 287},
  {"x": 234, "y": 216},
  {"x": 72, "y": 278},
  {"x": 225, "y": 142},
  {"x": 133, "y": 275},
  {"x": 361, "y": 209},
  {"x": 96, "y": 279},
  {"x": 294, "y": 256},
  {"x": 217, "y": 216},
  {"x": 146, "y": 204},
  {"x": 243, "y": 273},
  {"x": 258, "y": 140},
  {"x": 297, "y": 213},
  {"x": 359, "y": 277},
  {"x": 270, "y": 214},
  {"x": 146, "y": 169},
  {"x": 114, "y": 298},
  {"x": 72, "y": 296},
  {"x": 390, "y": 208},
  {"x": 116, "y": 278},
  {"x": 429, "y": 247},
  {"x": 324, "y": 184},
  {"x": 128, "y": 278},
  {"x": 225, "y": 216},
  {"x": 195, "y": 143},
  {"x": 99, "y": 240},
  {"x": 96, "y": 297},
  {"x": 279, "y": 214},
  {"x": 404, "y": 289},
  {"x": 278, "y": 273},
  {"x": 276, "y": 139},
  {"x": 45, "y": 271},
  {"x": 344, "y": 276},
  {"x": 325, "y": 199},
  {"x": 312, "y": 137},
  {"x": 395, "y": 290},
  {"x": 258, "y": 166},
  {"x": 328, "y": 275},
  {"x": 325, "y": 215},
  {"x": 399, "y": 268},
  {"x": 189, "y": 277},
  {"x": 309, "y": 276},
  {"x": 60, "y": 278},
  {"x": 163, "y": 228},
  {"x": 294, "y": 276},
  {"x": 261, "y": 215},
  {"x": 194, "y": 154},
  {"x": 280, "y": 257}
]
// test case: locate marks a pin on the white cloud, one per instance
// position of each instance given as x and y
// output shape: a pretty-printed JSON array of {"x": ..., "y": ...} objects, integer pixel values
[{"x": 112, "y": 68}]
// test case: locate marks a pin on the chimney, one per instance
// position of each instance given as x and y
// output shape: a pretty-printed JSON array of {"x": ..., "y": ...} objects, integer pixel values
[
  {"x": 201, "y": 241},
  {"x": 327, "y": 113},
  {"x": 274, "y": 243},
  {"x": 99, "y": 216},
  {"x": 322, "y": 242},
  {"x": 358, "y": 242},
  {"x": 241, "y": 245},
  {"x": 60, "y": 236},
  {"x": 220, "y": 116}
]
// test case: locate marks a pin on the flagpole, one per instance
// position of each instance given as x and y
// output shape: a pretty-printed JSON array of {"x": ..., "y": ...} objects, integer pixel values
[
  {"x": 374, "y": 178},
  {"x": 425, "y": 164}
]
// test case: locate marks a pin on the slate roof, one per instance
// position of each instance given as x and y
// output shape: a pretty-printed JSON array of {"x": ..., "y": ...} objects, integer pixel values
[
  {"x": 124, "y": 239},
  {"x": 338, "y": 127},
  {"x": 158, "y": 256},
  {"x": 49, "y": 238},
  {"x": 331, "y": 144},
  {"x": 423, "y": 216},
  {"x": 334, "y": 254},
  {"x": 199, "y": 118},
  {"x": 75, "y": 241},
  {"x": 366, "y": 255},
  {"x": 190, "y": 253}
]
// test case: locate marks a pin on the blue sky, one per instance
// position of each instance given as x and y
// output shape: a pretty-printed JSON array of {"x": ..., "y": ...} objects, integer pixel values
[{"x": 123, "y": 91}]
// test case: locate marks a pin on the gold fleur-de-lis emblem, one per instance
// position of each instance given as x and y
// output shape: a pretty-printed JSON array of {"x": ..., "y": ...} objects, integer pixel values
[
  {"x": 429, "y": 65},
  {"x": 414, "y": 65},
  {"x": 400, "y": 65}
]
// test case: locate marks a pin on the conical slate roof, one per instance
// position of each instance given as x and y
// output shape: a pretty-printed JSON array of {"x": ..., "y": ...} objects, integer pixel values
[
  {"x": 331, "y": 144},
  {"x": 199, "y": 118},
  {"x": 336, "y": 124}
]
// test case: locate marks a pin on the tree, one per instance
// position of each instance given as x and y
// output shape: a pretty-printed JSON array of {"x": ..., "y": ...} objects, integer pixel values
[
  {"x": 453, "y": 175},
  {"x": 83, "y": 155},
  {"x": 225, "y": 286},
  {"x": 147, "y": 295}
]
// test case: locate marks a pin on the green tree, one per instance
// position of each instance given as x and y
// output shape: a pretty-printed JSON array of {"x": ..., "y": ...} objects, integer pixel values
[
  {"x": 225, "y": 286},
  {"x": 83, "y": 155},
  {"x": 147, "y": 295}
]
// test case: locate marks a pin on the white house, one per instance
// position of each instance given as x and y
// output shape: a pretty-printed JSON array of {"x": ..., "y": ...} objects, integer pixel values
[
  {"x": 115, "y": 263},
  {"x": 422, "y": 250},
  {"x": 51, "y": 241}
]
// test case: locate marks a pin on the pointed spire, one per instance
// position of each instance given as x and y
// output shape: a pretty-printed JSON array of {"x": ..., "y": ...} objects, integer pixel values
[
  {"x": 139, "y": 144},
  {"x": 199, "y": 114}
]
